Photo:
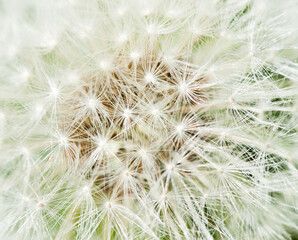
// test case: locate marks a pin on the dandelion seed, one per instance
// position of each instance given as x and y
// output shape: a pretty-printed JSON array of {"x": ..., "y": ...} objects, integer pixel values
[
  {"x": 127, "y": 174},
  {"x": 86, "y": 190},
  {"x": 121, "y": 11},
  {"x": 25, "y": 152},
  {"x": 109, "y": 205},
  {"x": 122, "y": 38},
  {"x": 155, "y": 111},
  {"x": 91, "y": 103},
  {"x": 24, "y": 76},
  {"x": 135, "y": 55},
  {"x": 149, "y": 78},
  {"x": 73, "y": 78},
  {"x": 54, "y": 93},
  {"x": 183, "y": 88},
  {"x": 180, "y": 128},
  {"x": 104, "y": 65},
  {"x": 220, "y": 170},
  {"x": 170, "y": 167},
  {"x": 63, "y": 141},
  {"x": 151, "y": 29},
  {"x": 127, "y": 113}
]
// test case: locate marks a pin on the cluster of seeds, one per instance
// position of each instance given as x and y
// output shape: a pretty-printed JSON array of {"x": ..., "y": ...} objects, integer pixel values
[{"x": 148, "y": 120}]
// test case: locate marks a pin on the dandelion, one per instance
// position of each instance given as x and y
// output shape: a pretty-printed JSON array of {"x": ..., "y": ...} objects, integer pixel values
[{"x": 172, "y": 119}]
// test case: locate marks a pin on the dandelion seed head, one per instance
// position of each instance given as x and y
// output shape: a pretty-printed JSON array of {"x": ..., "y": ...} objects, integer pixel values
[{"x": 150, "y": 120}]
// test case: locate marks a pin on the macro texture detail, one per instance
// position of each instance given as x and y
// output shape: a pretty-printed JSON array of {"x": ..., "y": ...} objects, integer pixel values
[{"x": 138, "y": 119}]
